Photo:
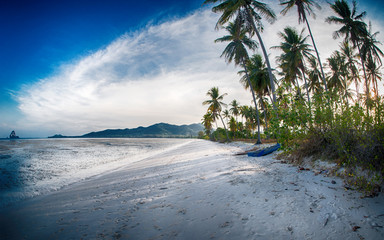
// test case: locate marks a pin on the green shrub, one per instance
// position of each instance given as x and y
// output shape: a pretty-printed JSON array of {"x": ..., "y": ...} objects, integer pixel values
[
  {"x": 351, "y": 136},
  {"x": 219, "y": 135}
]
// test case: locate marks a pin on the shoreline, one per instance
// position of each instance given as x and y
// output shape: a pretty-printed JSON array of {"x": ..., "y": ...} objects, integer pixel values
[
  {"x": 199, "y": 191},
  {"x": 45, "y": 176}
]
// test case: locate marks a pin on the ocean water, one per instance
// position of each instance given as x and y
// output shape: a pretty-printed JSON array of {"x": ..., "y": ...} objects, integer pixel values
[{"x": 38, "y": 166}]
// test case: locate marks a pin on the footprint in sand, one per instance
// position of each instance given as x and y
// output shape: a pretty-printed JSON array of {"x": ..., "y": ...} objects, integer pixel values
[
  {"x": 226, "y": 224},
  {"x": 182, "y": 211}
]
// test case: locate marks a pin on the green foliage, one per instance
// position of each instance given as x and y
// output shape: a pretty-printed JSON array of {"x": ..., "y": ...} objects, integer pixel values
[
  {"x": 346, "y": 135},
  {"x": 333, "y": 120},
  {"x": 219, "y": 135},
  {"x": 295, "y": 122},
  {"x": 201, "y": 135}
]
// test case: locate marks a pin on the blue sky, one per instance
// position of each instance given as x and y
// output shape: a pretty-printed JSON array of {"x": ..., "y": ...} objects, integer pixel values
[
  {"x": 39, "y": 36},
  {"x": 71, "y": 67}
]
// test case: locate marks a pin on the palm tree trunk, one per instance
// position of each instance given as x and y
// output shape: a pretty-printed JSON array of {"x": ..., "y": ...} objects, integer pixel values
[
  {"x": 306, "y": 88},
  {"x": 271, "y": 79},
  {"x": 346, "y": 98},
  {"x": 317, "y": 54},
  {"x": 298, "y": 88},
  {"x": 309, "y": 100},
  {"x": 357, "y": 91},
  {"x": 265, "y": 114},
  {"x": 254, "y": 100},
  {"x": 346, "y": 92},
  {"x": 365, "y": 76},
  {"x": 269, "y": 95},
  {"x": 356, "y": 83}
]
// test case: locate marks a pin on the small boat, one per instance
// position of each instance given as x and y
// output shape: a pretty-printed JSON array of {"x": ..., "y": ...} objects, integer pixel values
[
  {"x": 264, "y": 151},
  {"x": 13, "y": 135}
]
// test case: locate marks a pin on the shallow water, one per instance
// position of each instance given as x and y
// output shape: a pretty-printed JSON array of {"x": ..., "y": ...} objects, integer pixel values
[{"x": 37, "y": 166}]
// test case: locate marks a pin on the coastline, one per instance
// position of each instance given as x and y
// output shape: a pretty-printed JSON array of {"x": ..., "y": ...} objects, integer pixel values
[{"x": 200, "y": 190}]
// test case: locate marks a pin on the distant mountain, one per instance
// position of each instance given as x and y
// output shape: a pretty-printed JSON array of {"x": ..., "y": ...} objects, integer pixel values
[
  {"x": 59, "y": 136},
  {"x": 160, "y": 130}
]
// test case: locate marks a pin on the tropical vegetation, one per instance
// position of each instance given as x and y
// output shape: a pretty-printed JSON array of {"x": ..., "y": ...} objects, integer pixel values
[{"x": 330, "y": 108}]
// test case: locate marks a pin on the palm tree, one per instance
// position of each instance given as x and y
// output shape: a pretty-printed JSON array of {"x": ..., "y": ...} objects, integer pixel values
[
  {"x": 374, "y": 75},
  {"x": 372, "y": 56},
  {"x": 295, "y": 51},
  {"x": 353, "y": 28},
  {"x": 207, "y": 121},
  {"x": 236, "y": 50},
  {"x": 258, "y": 75},
  {"x": 248, "y": 13},
  {"x": 253, "y": 114},
  {"x": 336, "y": 71},
  {"x": 369, "y": 46},
  {"x": 226, "y": 115},
  {"x": 314, "y": 76},
  {"x": 304, "y": 7},
  {"x": 234, "y": 108},
  {"x": 349, "y": 55},
  {"x": 233, "y": 125},
  {"x": 244, "y": 112},
  {"x": 215, "y": 105},
  {"x": 249, "y": 115},
  {"x": 338, "y": 78}
]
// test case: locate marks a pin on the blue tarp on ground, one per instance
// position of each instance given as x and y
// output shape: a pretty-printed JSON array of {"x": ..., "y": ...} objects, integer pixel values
[{"x": 265, "y": 151}]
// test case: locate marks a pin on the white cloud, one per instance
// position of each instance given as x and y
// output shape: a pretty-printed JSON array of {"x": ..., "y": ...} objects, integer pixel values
[{"x": 158, "y": 74}]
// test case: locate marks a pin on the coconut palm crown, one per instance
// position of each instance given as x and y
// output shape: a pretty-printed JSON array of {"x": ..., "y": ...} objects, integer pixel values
[
  {"x": 238, "y": 41},
  {"x": 236, "y": 51},
  {"x": 249, "y": 14},
  {"x": 216, "y": 104},
  {"x": 304, "y": 7}
]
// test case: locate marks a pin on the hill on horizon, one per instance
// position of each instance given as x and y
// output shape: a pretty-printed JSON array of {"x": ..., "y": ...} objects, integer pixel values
[{"x": 159, "y": 130}]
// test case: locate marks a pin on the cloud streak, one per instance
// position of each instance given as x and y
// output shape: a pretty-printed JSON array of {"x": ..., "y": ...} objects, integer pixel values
[{"x": 157, "y": 74}]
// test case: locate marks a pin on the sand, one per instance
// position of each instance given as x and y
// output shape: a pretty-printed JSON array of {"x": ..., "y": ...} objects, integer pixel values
[{"x": 199, "y": 191}]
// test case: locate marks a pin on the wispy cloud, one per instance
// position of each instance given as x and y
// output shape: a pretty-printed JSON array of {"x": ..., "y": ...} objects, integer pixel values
[{"x": 158, "y": 74}]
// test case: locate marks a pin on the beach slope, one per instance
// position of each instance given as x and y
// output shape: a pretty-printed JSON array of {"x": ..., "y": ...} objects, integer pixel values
[{"x": 199, "y": 190}]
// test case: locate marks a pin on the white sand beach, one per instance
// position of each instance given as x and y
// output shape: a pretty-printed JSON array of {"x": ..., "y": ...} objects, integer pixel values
[{"x": 199, "y": 190}]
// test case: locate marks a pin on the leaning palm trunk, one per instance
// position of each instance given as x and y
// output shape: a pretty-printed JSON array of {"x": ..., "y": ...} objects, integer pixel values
[
  {"x": 317, "y": 54},
  {"x": 254, "y": 100},
  {"x": 265, "y": 114},
  {"x": 270, "y": 97},
  {"x": 271, "y": 80},
  {"x": 306, "y": 87}
]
